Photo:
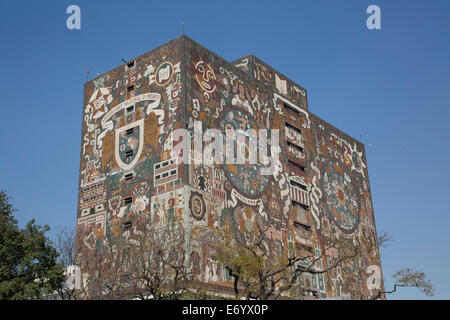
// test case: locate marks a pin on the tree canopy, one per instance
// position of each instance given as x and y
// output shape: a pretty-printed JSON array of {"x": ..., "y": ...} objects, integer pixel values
[{"x": 28, "y": 260}]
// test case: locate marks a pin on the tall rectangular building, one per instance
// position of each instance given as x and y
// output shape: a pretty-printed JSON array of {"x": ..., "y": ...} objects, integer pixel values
[{"x": 132, "y": 174}]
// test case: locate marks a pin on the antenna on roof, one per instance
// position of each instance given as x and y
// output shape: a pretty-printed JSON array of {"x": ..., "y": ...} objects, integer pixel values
[
  {"x": 87, "y": 75},
  {"x": 123, "y": 60},
  {"x": 182, "y": 26}
]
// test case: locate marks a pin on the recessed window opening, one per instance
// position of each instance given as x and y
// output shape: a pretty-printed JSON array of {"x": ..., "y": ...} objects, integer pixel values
[
  {"x": 290, "y": 126},
  {"x": 302, "y": 226},
  {"x": 290, "y": 144},
  {"x": 299, "y": 205},
  {"x": 298, "y": 185},
  {"x": 127, "y": 225},
  {"x": 128, "y": 200},
  {"x": 302, "y": 168},
  {"x": 130, "y": 109},
  {"x": 291, "y": 109},
  {"x": 128, "y": 153},
  {"x": 309, "y": 249}
]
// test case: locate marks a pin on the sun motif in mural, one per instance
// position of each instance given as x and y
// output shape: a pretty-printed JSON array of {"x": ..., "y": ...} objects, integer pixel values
[
  {"x": 340, "y": 195},
  {"x": 246, "y": 178},
  {"x": 197, "y": 206},
  {"x": 205, "y": 76}
]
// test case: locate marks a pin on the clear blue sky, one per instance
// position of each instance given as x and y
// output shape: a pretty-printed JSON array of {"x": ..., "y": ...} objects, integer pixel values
[{"x": 391, "y": 86}]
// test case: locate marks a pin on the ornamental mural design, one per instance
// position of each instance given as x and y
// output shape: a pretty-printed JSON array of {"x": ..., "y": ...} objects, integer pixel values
[
  {"x": 197, "y": 206},
  {"x": 245, "y": 177},
  {"x": 130, "y": 178},
  {"x": 341, "y": 196}
]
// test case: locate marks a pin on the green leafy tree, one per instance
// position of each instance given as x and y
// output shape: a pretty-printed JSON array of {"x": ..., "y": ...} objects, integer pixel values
[{"x": 28, "y": 261}]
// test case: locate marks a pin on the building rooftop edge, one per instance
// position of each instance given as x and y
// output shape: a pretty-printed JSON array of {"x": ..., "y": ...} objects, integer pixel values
[{"x": 183, "y": 36}]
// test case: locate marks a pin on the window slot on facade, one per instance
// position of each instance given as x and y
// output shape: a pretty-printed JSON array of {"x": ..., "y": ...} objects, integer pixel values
[
  {"x": 302, "y": 226},
  {"x": 130, "y": 65},
  {"x": 299, "y": 205},
  {"x": 130, "y": 109},
  {"x": 130, "y": 131},
  {"x": 129, "y": 176},
  {"x": 128, "y": 153},
  {"x": 173, "y": 172},
  {"x": 127, "y": 225},
  {"x": 130, "y": 88},
  {"x": 290, "y": 126},
  {"x": 165, "y": 174},
  {"x": 302, "y": 168},
  {"x": 128, "y": 200},
  {"x": 298, "y": 185},
  {"x": 291, "y": 109},
  {"x": 304, "y": 248},
  {"x": 290, "y": 144},
  {"x": 312, "y": 293}
]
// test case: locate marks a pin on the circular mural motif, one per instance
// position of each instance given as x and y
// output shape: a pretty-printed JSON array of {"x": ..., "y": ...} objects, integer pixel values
[
  {"x": 164, "y": 73},
  {"x": 246, "y": 177},
  {"x": 340, "y": 195},
  {"x": 205, "y": 76},
  {"x": 197, "y": 206}
]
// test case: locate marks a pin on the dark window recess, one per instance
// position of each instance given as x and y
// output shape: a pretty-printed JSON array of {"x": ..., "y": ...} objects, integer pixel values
[
  {"x": 165, "y": 174},
  {"x": 302, "y": 226},
  {"x": 290, "y": 144},
  {"x": 290, "y": 126},
  {"x": 157, "y": 166},
  {"x": 299, "y": 205},
  {"x": 302, "y": 168},
  {"x": 128, "y": 200},
  {"x": 291, "y": 109},
  {"x": 129, "y": 176},
  {"x": 130, "y": 65},
  {"x": 312, "y": 293},
  {"x": 128, "y": 153},
  {"x": 173, "y": 172},
  {"x": 130, "y": 131},
  {"x": 127, "y": 225},
  {"x": 309, "y": 249},
  {"x": 298, "y": 185},
  {"x": 130, "y": 109},
  {"x": 130, "y": 88}
]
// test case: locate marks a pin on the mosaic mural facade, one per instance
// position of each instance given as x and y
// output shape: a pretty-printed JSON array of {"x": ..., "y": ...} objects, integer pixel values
[{"x": 130, "y": 175}]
